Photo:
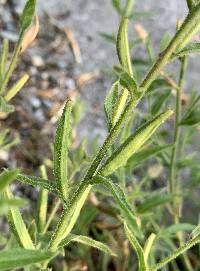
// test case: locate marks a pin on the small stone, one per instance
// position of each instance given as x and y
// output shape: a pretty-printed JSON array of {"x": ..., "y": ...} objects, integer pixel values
[
  {"x": 4, "y": 155},
  {"x": 39, "y": 115},
  {"x": 37, "y": 61},
  {"x": 35, "y": 102}
]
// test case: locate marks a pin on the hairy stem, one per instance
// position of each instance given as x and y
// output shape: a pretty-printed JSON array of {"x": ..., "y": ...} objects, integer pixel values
[
  {"x": 173, "y": 169},
  {"x": 176, "y": 253},
  {"x": 12, "y": 65},
  {"x": 189, "y": 22},
  {"x": 151, "y": 76}
]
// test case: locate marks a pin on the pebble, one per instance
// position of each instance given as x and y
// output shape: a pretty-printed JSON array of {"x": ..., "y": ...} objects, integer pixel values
[
  {"x": 39, "y": 115},
  {"x": 37, "y": 61},
  {"x": 35, "y": 102},
  {"x": 4, "y": 155}
]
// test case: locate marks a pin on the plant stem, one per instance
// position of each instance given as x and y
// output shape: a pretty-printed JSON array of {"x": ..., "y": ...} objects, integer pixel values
[
  {"x": 190, "y": 4},
  {"x": 128, "y": 8},
  {"x": 188, "y": 24},
  {"x": 172, "y": 178},
  {"x": 12, "y": 64},
  {"x": 173, "y": 181},
  {"x": 61, "y": 231},
  {"x": 176, "y": 253}
]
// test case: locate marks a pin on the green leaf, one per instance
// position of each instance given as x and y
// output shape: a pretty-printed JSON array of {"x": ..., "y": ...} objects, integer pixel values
[
  {"x": 153, "y": 202},
  {"x": 16, "y": 88},
  {"x": 196, "y": 232},
  {"x": 137, "y": 247},
  {"x": 27, "y": 15},
  {"x": 110, "y": 103},
  {"x": 116, "y": 5},
  {"x": 173, "y": 229},
  {"x": 70, "y": 214},
  {"x": 4, "y": 58},
  {"x": 5, "y": 204},
  {"x": 37, "y": 181},
  {"x": 191, "y": 48},
  {"x": 122, "y": 203},
  {"x": 123, "y": 46},
  {"x": 18, "y": 226},
  {"x": 192, "y": 118},
  {"x": 165, "y": 41},
  {"x": 108, "y": 37},
  {"x": 148, "y": 246},
  {"x": 42, "y": 204},
  {"x": 133, "y": 144},
  {"x": 145, "y": 154},
  {"x": 4, "y": 107},
  {"x": 61, "y": 145},
  {"x": 159, "y": 101},
  {"x": 19, "y": 258},
  {"x": 127, "y": 81},
  {"x": 88, "y": 242},
  {"x": 6, "y": 177}
]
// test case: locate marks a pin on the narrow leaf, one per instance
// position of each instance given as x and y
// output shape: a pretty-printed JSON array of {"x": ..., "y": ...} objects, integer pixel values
[
  {"x": 123, "y": 46},
  {"x": 37, "y": 181},
  {"x": 121, "y": 103},
  {"x": 30, "y": 34},
  {"x": 42, "y": 204},
  {"x": 196, "y": 232},
  {"x": 173, "y": 229},
  {"x": 136, "y": 246},
  {"x": 127, "y": 81},
  {"x": 19, "y": 258},
  {"x": 6, "y": 177},
  {"x": 160, "y": 100},
  {"x": 18, "y": 226},
  {"x": 88, "y": 242},
  {"x": 148, "y": 246},
  {"x": 120, "y": 198},
  {"x": 153, "y": 202},
  {"x": 116, "y": 5},
  {"x": 145, "y": 154},
  {"x": 61, "y": 145},
  {"x": 16, "y": 88},
  {"x": 3, "y": 58},
  {"x": 110, "y": 103},
  {"x": 27, "y": 15},
  {"x": 191, "y": 48},
  {"x": 4, "y": 107},
  {"x": 192, "y": 118},
  {"x": 5, "y": 204},
  {"x": 133, "y": 144}
]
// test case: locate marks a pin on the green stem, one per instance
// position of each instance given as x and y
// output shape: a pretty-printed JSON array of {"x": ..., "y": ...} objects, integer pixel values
[
  {"x": 42, "y": 204},
  {"x": 151, "y": 76},
  {"x": 190, "y": 4},
  {"x": 52, "y": 215},
  {"x": 173, "y": 182},
  {"x": 176, "y": 253},
  {"x": 172, "y": 179},
  {"x": 128, "y": 8},
  {"x": 189, "y": 22},
  {"x": 12, "y": 64}
]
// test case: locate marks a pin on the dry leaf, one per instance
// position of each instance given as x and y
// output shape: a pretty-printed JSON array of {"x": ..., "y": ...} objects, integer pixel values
[
  {"x": 73, "y": 44},
  {"x": 142, "y": 33},
  {"x": 30, "y": 34}
]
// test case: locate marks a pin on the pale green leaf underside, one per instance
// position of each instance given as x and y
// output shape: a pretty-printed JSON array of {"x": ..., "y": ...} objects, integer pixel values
[
  {"x": 88, "y": 242},
  {"x": 19, "y": 258}
]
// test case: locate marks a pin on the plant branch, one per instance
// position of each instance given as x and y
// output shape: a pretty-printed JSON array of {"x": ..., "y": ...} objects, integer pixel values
[
  {"x": 172, "y": 179},
  {"x": 176, "y": 253}
]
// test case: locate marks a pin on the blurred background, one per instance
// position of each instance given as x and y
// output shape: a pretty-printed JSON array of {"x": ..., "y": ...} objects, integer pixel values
[{"x": 73, "y": 56}]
